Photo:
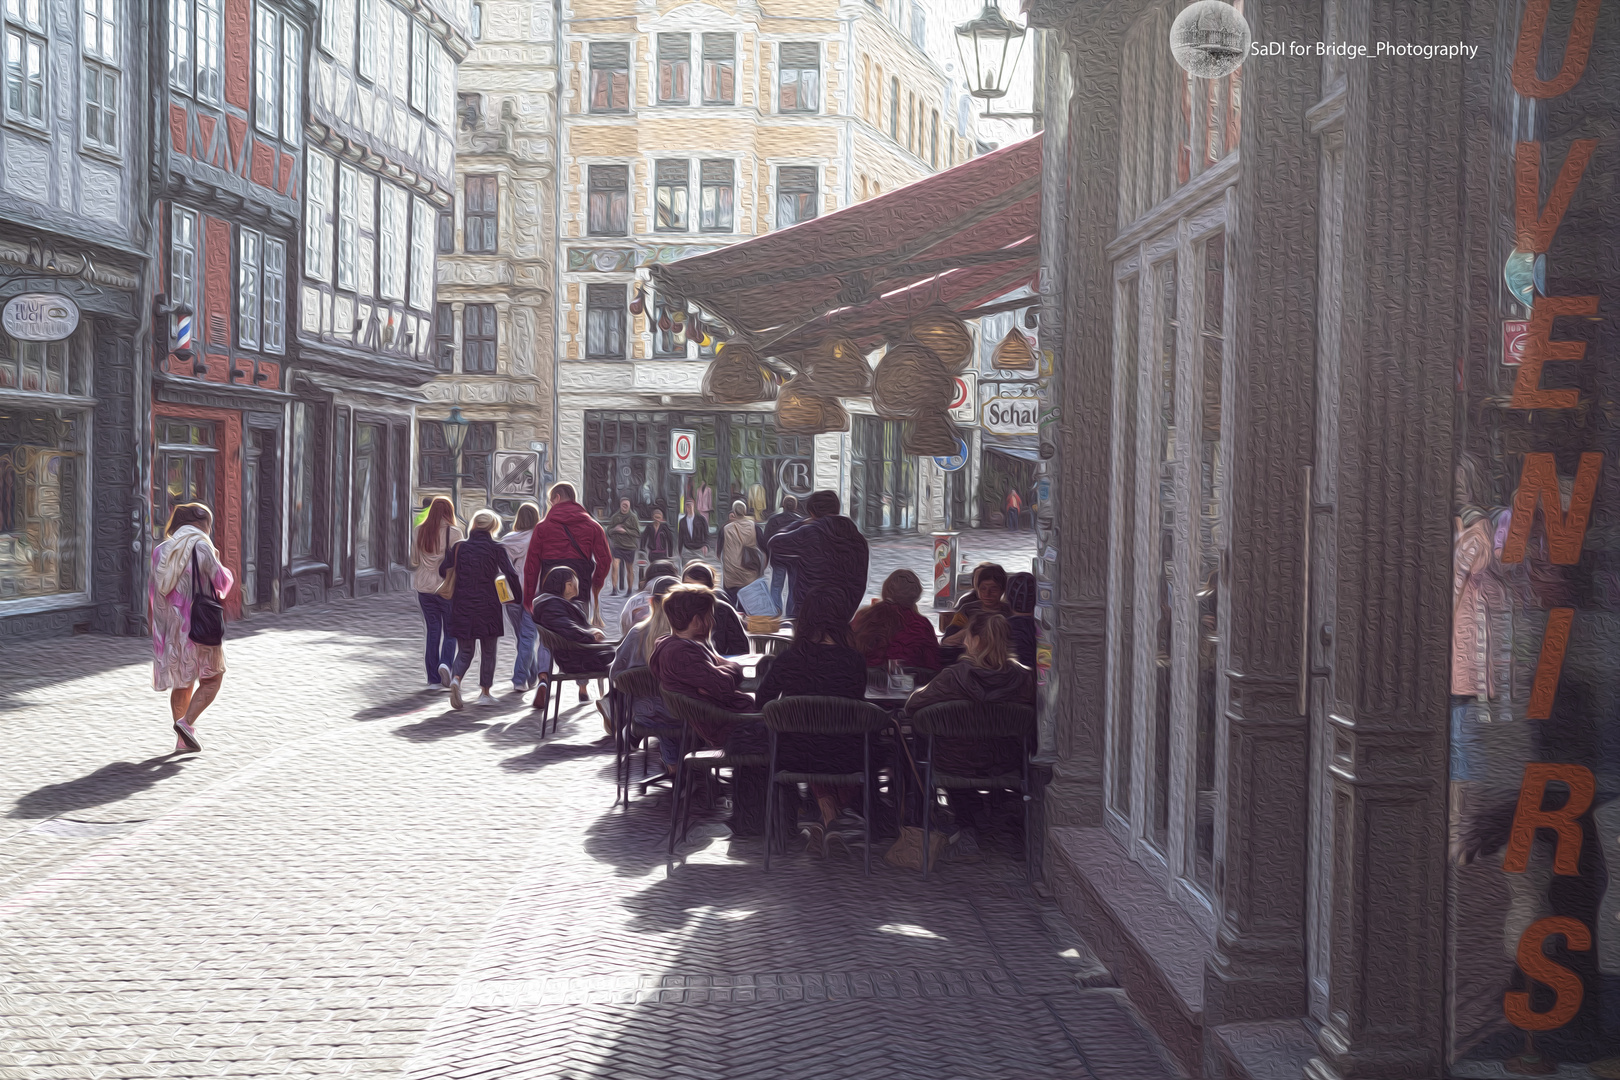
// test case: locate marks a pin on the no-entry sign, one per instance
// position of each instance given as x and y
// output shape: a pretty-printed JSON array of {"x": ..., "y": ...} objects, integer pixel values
[{"x": 683, "y": 451}]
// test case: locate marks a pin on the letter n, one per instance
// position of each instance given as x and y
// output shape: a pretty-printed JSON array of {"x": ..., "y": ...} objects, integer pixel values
[
  {"x": 1535, "y": 963},
  {"x": 1538, "y": 483},
  {"x": 1535, "y": 227},
  {"x": 1532, "y": 29},
  {"x": 1528, "y": 816}
]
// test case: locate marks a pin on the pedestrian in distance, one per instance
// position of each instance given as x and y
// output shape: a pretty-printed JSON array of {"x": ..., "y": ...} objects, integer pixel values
[
  {"x": 742, "y": 558},
  {"x": 624, "y": 535},
  {"x": 476, "y": 603},
  {"x": 692, "y": 534},
  {"x": 188, "y": 653},
  {"x": 437, "y": 534},
  {"x": 558, "y": 611},
  {"x": 658, "y": 542},
  {"x": 825, "y": 552},
  {"x": 567, "y": 536},
  {"x": 788, "y": 516},
  {"x": 531, "y": 655}
]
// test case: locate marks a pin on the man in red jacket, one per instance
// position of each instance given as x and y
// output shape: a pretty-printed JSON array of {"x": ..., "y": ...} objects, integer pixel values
[{"x": 566, "y": 536}]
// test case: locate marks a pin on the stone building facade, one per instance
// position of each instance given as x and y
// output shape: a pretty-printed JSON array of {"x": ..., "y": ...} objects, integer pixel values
[{"x": 495, "y": 316}]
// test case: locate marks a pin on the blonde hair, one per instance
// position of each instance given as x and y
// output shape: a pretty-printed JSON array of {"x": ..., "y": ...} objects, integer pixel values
[
  {"x": 486, "y": 519},
  {"x": 653, "y": 628},
  {"x": 989, "y": 641}
]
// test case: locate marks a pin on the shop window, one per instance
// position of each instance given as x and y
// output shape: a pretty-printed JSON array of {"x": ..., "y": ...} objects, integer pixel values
[
  {"x": 798, "y": 77},
  {"x": 478, "y": 338},
  {"x": 717, "y": 197},
  {"x": 444, "y": 337},
  {"x": 27, "y": 46},
  {"x": 483, "y": 200},
  {"x": 369, "y": 464},
  {"x": 674, "y": 69},
  {"x": 183, "y": 468},
  {"x": 43, "y": 523},
  {"x": 604, "y": 322},
  {"x": 795, "y": 194},
  {"x": 883, "y": 478},
  {"x": 610, "y": 77},
  {"x": 671, "y": 186},
  {"x": 46, "y": 367},
  {"x": 719, "y": 69},
  {"x": 301, "y": 514},
  {"x": 609, "y": 210}
]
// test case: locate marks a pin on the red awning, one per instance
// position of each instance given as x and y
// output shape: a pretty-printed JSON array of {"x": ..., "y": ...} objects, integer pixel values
[{"x": 959, "y": 238}]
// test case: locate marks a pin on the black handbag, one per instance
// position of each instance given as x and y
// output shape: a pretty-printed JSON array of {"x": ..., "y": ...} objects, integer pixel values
[{"x": 207, "y": 613}]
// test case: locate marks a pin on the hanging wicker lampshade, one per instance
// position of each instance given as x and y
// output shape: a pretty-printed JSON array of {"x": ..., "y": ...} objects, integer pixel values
[
  {"x": 735, "y": 377},
  {"x": 1014, "y": 353},
  {"x": 930, "y": 435},
  {"x": 945, "y": 335},
  {"x": 802, "y": 412},
  {"x": 836, "y": 367},
  {"x": 910, "y": 381}
]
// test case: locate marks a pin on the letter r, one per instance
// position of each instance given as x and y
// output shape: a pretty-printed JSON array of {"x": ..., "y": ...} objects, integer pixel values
[{"x": 1529, "y": 816}]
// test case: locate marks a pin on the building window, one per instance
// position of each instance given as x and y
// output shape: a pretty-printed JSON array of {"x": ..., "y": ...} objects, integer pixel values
[
  {"x": 475, "y": 22},
  {"x": 395, "y": 212},
  {"x": 101, "y": 30},
  {"x": 883, "y": 477},
  {"x": 933, "y": 139},
  {"x": 437, "y": 465},
  {"x": 478, "y": 339},
  {"x": 180, "y": 36},
  {"x": 604, "y": 322},
  {"x": 210, "y": 48},
  {"x": 470, "y": 107},
  {"x": 894, "y": 109},
  {"x": 911, "y": 122},
  {"x": 719, "y": 69},
  {"x": 274, "y": 286},
  {"x": 100, "y": 105},
  {"x": 317, "y": 216},
  {"x": 609, "y": 210},
  {"x": 348, "y": 227},
  {"x": 249, "y": 258},
  {"x": 795, "y": 194},
  {"x": 919, "y": 27},
  {"x": 49, "y": 367},
  {"x": 266, "y": 72},
  {"x": 302, "y": 510},
  {"x": 292, "y": 81},
  {"x": 665, "y": 344},
  {"x": 422, "y": 222},
  {"x": 672, "y": 182},
  {"x": 337, "y": 17},
  {"x": 445, "y": 243},
  {"x": 366, "y": 56},
  {"x": 26, "y": 49},
  {"x": 482, "y": 200},
  {"x": 366, "y": 256},
  {"x": 798, "y": 76},
  {"x": 610, "y": 77},
  {"x": 717, "y": 196},
  {"x": 441, "y": 83},
  {"x": 674, "y": 69},
  {"x": 444, "y": 337},
  {"x": 183, "y": 257},
  {"x": 419, "y": 66}
]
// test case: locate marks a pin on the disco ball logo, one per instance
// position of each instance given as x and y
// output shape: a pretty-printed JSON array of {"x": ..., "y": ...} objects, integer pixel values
[{"x": 1209, "y": 39}]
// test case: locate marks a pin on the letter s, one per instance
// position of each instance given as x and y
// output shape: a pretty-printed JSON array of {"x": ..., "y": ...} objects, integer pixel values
[{"x": 1536, "y": 964}]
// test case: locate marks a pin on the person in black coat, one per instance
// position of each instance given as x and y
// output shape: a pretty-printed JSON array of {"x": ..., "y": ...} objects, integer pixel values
[
  {"x": 826, "y": 553},
  {"x": 477, "y": 616},
  {"x": 692, "y": 532},
  {"x": 728, "y": 636},
  {"x": 586, "y": 648}
]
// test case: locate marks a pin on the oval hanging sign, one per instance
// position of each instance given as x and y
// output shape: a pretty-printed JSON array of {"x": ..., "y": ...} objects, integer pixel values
[
  {"x": 1011, "y": 415},
  {"x": 954, "y": 461},
  {"x": 40, "y": 317}
]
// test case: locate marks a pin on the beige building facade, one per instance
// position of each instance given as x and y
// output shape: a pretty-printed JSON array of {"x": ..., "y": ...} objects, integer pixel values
[
  {"x": 494, "y": 325},
  {"x": 687, "y": 127}
]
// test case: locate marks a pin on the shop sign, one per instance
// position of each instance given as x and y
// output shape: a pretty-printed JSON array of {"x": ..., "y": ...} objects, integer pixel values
[
  {"x": 516, "y": 474},
  {"x": 682, "y": 451},
  {"x": 797, "y": 477},
  {"x": 1515, "y": 336},
  {"x": 963, "y": 410},
  {"x": 40, "y": 317},
  {"x": 1011, "y": 415}
]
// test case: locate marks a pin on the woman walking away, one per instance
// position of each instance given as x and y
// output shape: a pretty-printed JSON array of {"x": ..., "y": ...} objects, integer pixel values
[
  {"x": 891, "y": 629},
  {"x": 557, "y": 611},
  {"x": 186, "y": 568},
  {"x": 433, "y": 538},
  {"x": 526, "y": 669},
  {"x": 475, "y": 606}
]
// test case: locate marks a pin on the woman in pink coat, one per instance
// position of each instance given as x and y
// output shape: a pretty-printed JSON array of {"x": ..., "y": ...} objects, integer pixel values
[{"x": 190, "y": 672}]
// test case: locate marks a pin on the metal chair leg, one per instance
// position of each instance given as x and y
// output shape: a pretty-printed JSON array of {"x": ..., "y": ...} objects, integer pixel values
[
  {"x": 866, "y": 796},
  {"x": 927, "y": 798},
  {"x": 770, "y": 803},
  {"x": 675, "y": 791}
]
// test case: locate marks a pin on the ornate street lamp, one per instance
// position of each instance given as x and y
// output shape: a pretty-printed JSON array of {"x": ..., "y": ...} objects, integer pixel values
[
  {"x": 988, "y": 38},
  {"x": 455, "y": 437}
]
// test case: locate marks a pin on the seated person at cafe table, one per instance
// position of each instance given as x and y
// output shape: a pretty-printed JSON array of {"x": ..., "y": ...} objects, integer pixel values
[
  {"x": 989, "y": 586},
  {"x": 634, "y": 651},
  {"x": 1021, "y": 599},
  {"x": 890, "y": 629},
  {"x": 557, "y": 611},
  {"x": 684, "y": 663},
  {"x": 819, "y": 662},
  {"x": 730, "y": 639},
  {"x": 636, "y": 608}
]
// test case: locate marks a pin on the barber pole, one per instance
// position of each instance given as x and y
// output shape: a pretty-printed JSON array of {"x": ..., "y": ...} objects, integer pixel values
[{"x": 182, "y": 332}]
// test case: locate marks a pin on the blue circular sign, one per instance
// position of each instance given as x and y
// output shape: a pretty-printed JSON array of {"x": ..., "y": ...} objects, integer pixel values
[{"x": 956, "y": 460}]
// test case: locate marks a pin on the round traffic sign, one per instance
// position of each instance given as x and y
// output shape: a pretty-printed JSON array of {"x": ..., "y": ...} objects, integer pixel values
[{"x": 955, "y": 461}]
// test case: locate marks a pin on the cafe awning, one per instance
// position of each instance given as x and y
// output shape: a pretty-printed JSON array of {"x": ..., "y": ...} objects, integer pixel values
[{"x": 959, "y": 238}]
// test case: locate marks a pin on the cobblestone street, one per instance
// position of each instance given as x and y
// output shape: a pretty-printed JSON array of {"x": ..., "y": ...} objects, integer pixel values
[{"x": 353, "y": 880}]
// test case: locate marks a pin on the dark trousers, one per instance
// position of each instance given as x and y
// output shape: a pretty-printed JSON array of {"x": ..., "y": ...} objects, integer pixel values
[
  {"x": 486, "y": 659},
  {"x": 441, "y": 647},
  {"x": 625, "y": 561}
]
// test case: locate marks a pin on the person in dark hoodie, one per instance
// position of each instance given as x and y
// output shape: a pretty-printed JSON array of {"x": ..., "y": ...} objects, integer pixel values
[
  {"x": 825, "y": 552},
  {"x": 556, "y": 610},
  {"x": 1021, "y": 599},
  {"x": 728, "y": 636},
  {"x": 788, "y": 516}
]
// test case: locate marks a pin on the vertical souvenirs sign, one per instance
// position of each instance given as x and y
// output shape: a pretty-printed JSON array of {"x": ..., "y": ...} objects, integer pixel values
[{"x": 1535, "y": 679}]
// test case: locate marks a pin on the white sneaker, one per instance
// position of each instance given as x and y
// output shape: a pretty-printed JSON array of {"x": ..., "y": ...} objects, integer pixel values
[
  {"x": 444, "y": 677},
  {"x": 485, "y": 700},
  {"x": 455, "y": 694},
  {"x": 518, "y": 688}
]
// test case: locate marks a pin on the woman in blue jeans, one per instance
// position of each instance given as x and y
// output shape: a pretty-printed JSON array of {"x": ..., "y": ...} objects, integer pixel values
[
  {"x": 433, "y": 538},
  {"x": 532, "y": 657}
]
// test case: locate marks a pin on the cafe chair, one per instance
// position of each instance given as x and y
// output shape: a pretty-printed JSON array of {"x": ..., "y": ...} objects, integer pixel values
[
  {"x": 695, "y": 760},
  {"x": 829, "y": 717},
  {"x": 628, "y": 735},
  {"x": 959, "y": 722},
  {"x": 554, "y": 678}
]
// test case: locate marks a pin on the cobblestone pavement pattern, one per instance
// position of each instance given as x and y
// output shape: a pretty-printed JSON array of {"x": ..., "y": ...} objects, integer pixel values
[{"x": 353, "y": 880}]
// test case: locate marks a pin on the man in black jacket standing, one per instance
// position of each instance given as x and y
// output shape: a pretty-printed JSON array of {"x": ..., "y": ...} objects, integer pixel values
[
  {"x": 692, "y": 533},
  {"x": 826, "y": 552},
  {"x": 788, "y": 517}
]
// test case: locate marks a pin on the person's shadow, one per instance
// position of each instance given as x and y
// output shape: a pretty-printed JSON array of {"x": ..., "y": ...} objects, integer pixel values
[{"x": 111, "y": 783}]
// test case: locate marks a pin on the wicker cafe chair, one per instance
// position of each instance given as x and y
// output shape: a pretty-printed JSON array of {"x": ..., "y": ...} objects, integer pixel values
[
  {"x": 969, "y": 721},
  {"x": 627, "y": 687},
  {"x": 694, "y": 761},
  {"x": 555, "y": 679},
  {"x": 827, "y": 716}
]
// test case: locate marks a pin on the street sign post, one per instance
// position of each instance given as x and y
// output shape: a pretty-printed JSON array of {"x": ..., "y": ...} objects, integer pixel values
[
  {"x": 682, "y": 451},
  {"x": 965, "y": 402}
]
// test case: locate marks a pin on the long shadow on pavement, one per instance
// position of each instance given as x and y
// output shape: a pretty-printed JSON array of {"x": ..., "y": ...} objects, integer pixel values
[{"x": 111, "y": 783}]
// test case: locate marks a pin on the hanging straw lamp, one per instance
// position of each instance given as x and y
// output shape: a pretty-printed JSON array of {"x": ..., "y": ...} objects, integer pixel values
[
  {"x": 835, "y": 367},
  {"x": 736, "y": 377},
  {"x": 910, "y": 381},
  {"x": 1014, "y": 353},
  {"x": 800, "y": 411},
  {"x": 943, "y": 333}
]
